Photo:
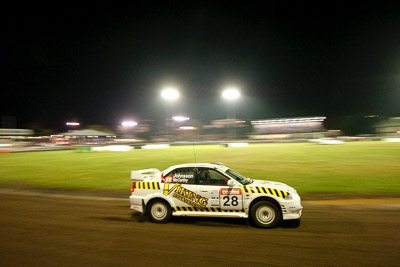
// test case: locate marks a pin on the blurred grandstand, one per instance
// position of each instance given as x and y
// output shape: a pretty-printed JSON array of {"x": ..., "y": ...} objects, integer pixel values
[
  {"x": 296, "y": 129},
  {"x": 389, "y": 129},
  {"x": 289, "y": 128}
]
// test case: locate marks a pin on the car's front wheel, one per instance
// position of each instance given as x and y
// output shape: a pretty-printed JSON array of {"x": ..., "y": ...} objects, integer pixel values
[
  {"x": 265, "y": 214},
  {"x": 159, "y": 211}
]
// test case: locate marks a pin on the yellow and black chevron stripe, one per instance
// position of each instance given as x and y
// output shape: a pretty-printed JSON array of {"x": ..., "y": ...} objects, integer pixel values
[
  {"x": 206, "y": 209},
  {"x": 264, "y": 190},
  {"x": 147, "y": 185}
]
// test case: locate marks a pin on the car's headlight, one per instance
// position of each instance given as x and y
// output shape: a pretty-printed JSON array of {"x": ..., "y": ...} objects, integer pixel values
[{"x": 293, "y": 196}]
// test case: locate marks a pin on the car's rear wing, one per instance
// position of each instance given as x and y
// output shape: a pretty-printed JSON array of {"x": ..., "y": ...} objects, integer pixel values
[{"x": 147, "y": 174}]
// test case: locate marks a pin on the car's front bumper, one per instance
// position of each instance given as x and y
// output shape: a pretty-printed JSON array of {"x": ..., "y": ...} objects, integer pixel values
[{"x": 291, "y": 210}]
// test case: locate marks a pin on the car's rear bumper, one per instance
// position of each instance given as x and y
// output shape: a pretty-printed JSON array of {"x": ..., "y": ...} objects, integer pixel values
[{"x": 136, "y": 203}]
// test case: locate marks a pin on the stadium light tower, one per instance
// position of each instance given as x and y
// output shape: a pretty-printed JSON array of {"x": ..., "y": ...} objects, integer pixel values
[
  {"x": 170, "y": 94},
  {"x": 72, "y": 125},
  {"x": 231, "y": 94}
]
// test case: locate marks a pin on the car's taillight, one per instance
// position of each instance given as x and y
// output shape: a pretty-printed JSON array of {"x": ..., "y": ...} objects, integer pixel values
[{"x": 133, "y": 187}]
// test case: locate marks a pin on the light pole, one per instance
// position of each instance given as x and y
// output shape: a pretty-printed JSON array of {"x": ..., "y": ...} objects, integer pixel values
[
  {"x": 231, "y": 94},
  {"x": 72, "y": 125},
  {"x": 177, "y": 122},
  {"x": 169, "y": 94},
  {"x": 128, "y": 126}
]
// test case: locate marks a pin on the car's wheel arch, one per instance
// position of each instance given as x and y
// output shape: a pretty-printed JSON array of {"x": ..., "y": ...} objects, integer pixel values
[
  {"x": 150, "y": 199},
  {"x": 264, "y": 198}
]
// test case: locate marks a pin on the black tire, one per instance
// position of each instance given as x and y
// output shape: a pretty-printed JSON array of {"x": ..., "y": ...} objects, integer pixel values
[
  {"x": 265, "y": 214},
  {"x": 159, "y": 211}
]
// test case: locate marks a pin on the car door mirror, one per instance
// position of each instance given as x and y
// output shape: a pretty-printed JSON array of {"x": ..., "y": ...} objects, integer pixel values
[{"x": 231, "y": 183}]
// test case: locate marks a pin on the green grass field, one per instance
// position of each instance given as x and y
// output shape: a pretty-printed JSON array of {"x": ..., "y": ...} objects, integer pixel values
[{"x": 356, "y": 167}]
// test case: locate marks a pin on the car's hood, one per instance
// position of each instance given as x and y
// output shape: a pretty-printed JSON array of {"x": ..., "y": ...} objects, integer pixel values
[{"x": 272, "y": 184}]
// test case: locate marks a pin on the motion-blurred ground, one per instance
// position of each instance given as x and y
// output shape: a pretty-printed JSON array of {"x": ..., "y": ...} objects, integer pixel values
[{"x": 51, "y": 229}]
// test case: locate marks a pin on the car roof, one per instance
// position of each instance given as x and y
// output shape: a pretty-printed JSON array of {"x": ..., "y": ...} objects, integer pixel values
[{"x": 218, "y": 166}]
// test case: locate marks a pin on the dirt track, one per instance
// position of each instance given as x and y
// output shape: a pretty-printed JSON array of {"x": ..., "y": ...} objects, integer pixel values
[{"x": 49, "y": 230}]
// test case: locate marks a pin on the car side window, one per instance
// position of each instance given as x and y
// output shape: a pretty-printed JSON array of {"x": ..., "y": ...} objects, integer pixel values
[
  {"x": 207, "y": 176},
  {"x": 180, "y": 175}
]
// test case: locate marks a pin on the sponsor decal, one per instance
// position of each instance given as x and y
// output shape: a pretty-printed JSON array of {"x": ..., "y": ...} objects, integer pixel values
[
  {"x": 185, "y": 195},
  {"x": 214, "y": 202},
  {"x": 168, "y": 179},
  {"x": 177, "y": 178},
  {"x": 230, "y": 192}
]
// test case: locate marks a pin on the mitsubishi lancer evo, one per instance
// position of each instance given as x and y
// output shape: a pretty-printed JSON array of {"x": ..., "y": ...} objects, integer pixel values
[{"x": 212, "y": 190}]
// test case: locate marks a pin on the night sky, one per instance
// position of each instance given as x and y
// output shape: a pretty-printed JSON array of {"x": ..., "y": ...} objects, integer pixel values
[{"x": 103, "y": 65}]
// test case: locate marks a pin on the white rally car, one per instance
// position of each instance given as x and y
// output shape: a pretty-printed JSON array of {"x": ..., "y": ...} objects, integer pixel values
[{"x": 214, "y": 190}]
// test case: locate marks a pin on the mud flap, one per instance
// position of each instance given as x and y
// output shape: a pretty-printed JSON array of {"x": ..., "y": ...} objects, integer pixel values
[{"x": 144, "y": 208}]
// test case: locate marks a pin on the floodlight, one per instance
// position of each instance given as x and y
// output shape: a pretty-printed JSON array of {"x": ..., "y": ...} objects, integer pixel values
[
  {"x": 72, "y": 123},
  {"x": 170, "y": 93},
  {"x": 231, "y": 93},
  {"x": 180, "y": 118},
  {"x": 187, "y": 128},
  {"x": 129, "y": 123}
]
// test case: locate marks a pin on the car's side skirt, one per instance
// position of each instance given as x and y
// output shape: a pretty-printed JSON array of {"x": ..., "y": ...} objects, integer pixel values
[
  {"x": 214, "y": 212},
  {"x": 210, "y": 214}
]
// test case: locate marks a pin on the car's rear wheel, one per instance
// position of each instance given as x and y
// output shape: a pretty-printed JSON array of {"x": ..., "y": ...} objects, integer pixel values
[
  {"x": 160, "y": 211},
  {"x": 265, "y": 214}
]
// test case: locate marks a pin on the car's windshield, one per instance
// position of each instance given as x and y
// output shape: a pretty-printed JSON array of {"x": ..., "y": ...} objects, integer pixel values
[{"x": 238, "y": 177}]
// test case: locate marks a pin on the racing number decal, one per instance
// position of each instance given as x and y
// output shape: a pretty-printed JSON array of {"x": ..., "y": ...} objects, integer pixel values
[{"x": 231, "y": 198}]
